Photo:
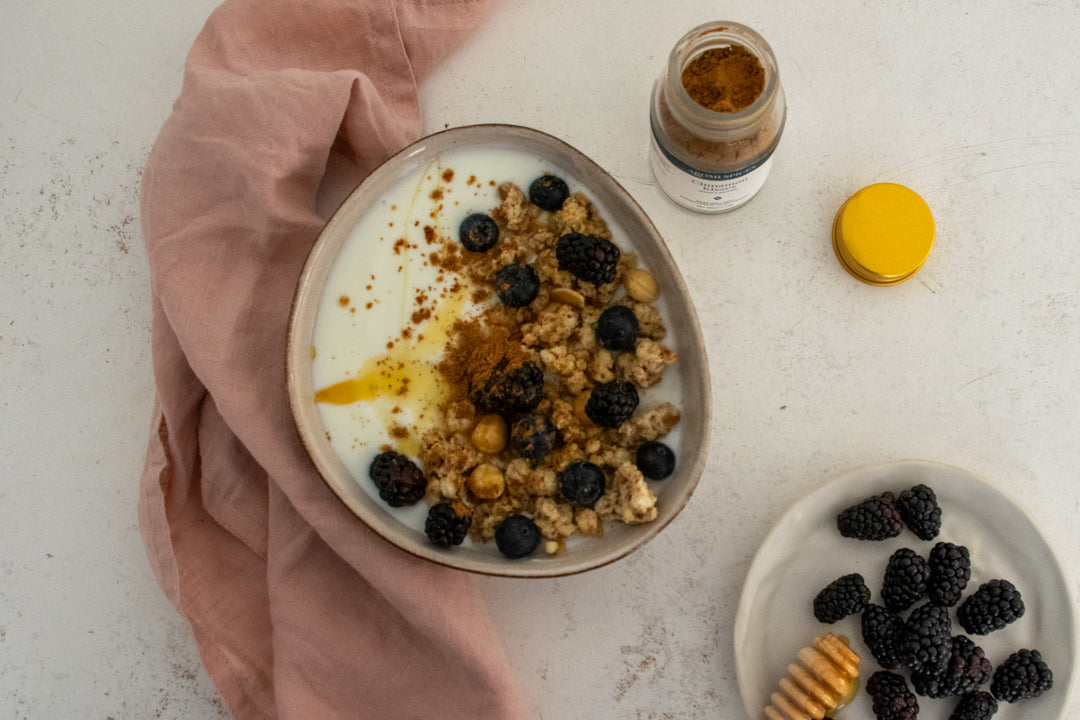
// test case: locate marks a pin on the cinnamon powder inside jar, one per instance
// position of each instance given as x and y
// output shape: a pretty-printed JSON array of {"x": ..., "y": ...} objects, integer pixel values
[
  {"x": 716, "y": 116},
  {"x": 725, "y": 79}
]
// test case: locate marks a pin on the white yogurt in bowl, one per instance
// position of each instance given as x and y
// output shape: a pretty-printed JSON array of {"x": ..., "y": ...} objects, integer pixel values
[{"x": 373, "y": 314}]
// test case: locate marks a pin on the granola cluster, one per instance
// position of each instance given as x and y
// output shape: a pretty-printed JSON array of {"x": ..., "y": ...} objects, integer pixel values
[{"x": 474, "y": 457}]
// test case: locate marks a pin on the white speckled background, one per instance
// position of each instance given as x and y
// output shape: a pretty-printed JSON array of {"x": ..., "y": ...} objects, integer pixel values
[{"x": 975, "y": 362}]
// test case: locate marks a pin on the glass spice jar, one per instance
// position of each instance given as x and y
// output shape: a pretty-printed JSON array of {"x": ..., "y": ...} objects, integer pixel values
[{"x": 715, "y": 159}]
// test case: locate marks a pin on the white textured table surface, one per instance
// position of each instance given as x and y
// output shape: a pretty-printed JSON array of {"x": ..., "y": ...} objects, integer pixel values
[{"x": 975, "y": 362}]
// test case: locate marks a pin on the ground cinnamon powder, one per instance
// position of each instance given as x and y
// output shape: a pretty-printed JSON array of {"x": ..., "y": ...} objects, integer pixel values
[
  {"x": 477, "y": 348},
  {"x": 725, "y": 79}
]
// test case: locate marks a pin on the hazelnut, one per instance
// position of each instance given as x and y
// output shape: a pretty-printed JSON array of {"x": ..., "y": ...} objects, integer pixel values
[
  {"x": 486, "y": 481},
  {"x": 567, "y": 296},
  {"x": 489, "y": 435},
  {"x": 641, "y": 286}
]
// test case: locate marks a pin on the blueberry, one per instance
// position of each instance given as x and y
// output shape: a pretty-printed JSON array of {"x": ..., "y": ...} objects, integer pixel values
[
  {"x": 548, "y": 192},
  {"x": 582, "y": 483},
  {"x": 517, "y": 536},
  {"x": 517, "y": 285},
  {"x": 655, "y": 460},
  {"x": 478, "y": 232},
  {"x": 532, "y": 437},
  {"x": 617, "y": 328}
]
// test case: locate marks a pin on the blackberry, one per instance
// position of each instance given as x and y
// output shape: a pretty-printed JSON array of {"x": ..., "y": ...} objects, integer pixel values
[
  {"x": 925, "y": 643},
  {"x": 847, "y": 595},
  {"x": 517, "y": 285},
  {"x": 950, "y": 570},
  {"x": 655, "y": 460},
  {"x": 993, "y": 606},
  {"x": 893, "y": 700},
  {"x": 881, "y": 630},
  {"x": 582, "y": 483},
  {"x": 478, "y": 232},
  {"x": 447, "y": 524},
  {"x": 548, "y": 192},
  {"x": 399, "y": 480},
  {"x": 617, "y": 328},
  {"x": 587, "y": 257},
  {"x": 906, "y": 576},
  {"x": 967, "y": 669},
  {"x": 930, "y": 684},
  {"x": 875, "y": 518},
  {"x": 517, "y": 390},
  {"x": 517, "y": 536},
  {"x": 611, "y": 404},
  {"x": 920, "y": 512},
  {"x": 975, "y": 706},
  {"x": 532, "y": 436},
  {"x": 1022, "y": 676}
]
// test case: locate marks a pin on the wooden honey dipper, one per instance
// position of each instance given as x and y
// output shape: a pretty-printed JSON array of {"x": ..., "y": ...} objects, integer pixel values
[{"x": 822, "y": 679}]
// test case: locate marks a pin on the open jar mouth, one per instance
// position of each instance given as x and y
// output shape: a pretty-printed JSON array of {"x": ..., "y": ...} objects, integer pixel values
[{"x": 716, "y": 35}]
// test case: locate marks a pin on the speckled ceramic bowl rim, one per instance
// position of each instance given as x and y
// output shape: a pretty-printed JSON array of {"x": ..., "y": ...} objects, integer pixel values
[{"x": 619, "y": 540}]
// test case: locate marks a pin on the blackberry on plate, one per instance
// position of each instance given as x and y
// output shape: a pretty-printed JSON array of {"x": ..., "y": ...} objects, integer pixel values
[
  {"x": 875, "y": 518},
  {"x": 448, "y": 523},
  {"x": 548, "y": 192},
  {"x": 582, "y": 483},
  {"x": 517, "y": 285},
  {"x": 920, "y": 512},
  {"x": 587, "y": 257},
  {"x": 847, "y": 595},
  {"x": 517, "y": 536},
  {"x": 478, "y": 232},
  {"x": 930, "y": 684},
  {"x": 617, "y": 328},
  {"x": 532, "y": 436},
  {"x": 926, "y": 641},
  {"x": 950, "y": 570},
  {"x": 993, "y": 606},
  {"x": 399, "y": 480},
  {"x": 893, "y": 700},
  {"x": 517, "y": 390},
  {"x": 611, "y": 404},
  {"x": 967, "y": 669},
  {"x": 979, "y": 705},
  {"x": 655, "y": 460},
  {"x": 881, "y": 630},
  {"x": 968, "y": 666},
  {"x": 1022, "y": 676},
  {"x": 906, "y": 575}
]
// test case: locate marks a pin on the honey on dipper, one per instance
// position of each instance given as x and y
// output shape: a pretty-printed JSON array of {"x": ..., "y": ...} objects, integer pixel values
[{"x": 821, "y": 680}]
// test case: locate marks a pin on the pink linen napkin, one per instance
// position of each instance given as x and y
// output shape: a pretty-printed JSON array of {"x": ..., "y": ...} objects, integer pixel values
[{"x": 299, "y": 611}]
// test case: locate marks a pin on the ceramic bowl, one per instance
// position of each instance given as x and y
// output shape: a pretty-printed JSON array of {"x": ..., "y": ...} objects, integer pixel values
[{"x": 689, "y": 374}]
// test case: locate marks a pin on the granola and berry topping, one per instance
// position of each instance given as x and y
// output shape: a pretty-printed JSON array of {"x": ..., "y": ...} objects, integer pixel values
[{"x": 552, "y": 368}]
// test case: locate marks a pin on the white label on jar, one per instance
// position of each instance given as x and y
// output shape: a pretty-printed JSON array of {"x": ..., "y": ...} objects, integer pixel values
[{"x": 706, "y": 191}]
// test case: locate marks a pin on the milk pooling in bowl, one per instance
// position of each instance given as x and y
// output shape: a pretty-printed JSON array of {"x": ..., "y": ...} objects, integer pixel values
[{"x": 396, "y": 298}]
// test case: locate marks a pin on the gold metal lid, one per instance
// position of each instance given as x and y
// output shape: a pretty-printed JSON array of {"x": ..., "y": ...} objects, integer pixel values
[{"x": 883, "y": 234}]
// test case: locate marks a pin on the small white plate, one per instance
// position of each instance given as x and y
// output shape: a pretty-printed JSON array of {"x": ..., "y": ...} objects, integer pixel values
[{"x": 804, "y": 552}]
